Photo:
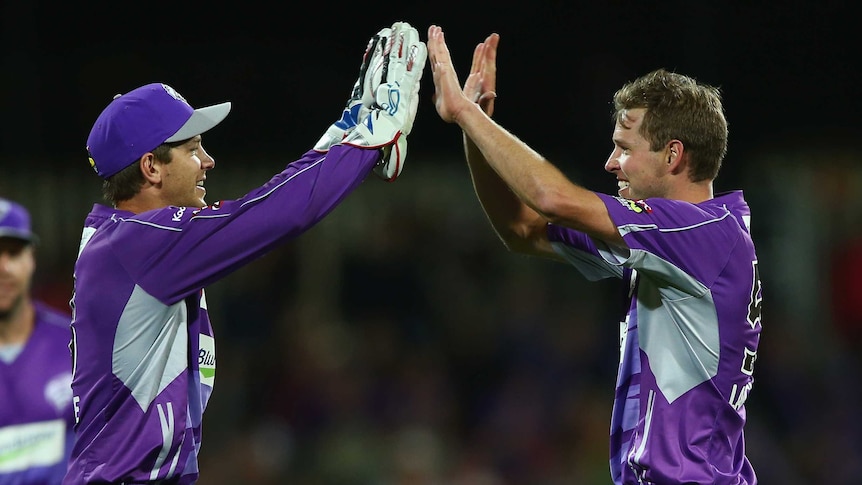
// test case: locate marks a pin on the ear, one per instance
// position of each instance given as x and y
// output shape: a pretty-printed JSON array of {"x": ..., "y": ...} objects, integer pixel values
[
  {"x": 150, "y": 169},
  {"x": 674, "y": 155}
]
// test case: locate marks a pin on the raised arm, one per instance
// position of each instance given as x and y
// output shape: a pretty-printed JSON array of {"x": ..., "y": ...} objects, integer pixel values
[
  {"x": 521, "y": 228},
  {"x": 519, "y": 189}
]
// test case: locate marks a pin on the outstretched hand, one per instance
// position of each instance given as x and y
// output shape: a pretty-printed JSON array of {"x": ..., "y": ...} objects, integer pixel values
[
  {"x": 481, "y": 84},
  {"x": 450, "y": 99}
]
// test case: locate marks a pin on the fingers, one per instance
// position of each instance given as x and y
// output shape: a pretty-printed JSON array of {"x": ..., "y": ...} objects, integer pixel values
[
  {"x": 489, "y": 61},
  {"x": 491, "y": 43},
  {"x": 408, "y": 51},
  {"x": 478, "y": 58},
  {"x": 486, "y": 102},
  {"x": 450, "y": 98},
  {"x": 446, "y": 86},
  {"x": 480, "y": 84},
  {"x": 473, "y": 85},
  {"x": 436, "y": 47},
  {"x": 489, "y": 73}
]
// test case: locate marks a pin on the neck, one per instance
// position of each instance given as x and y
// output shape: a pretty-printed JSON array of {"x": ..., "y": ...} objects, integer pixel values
[
  {"x": 694, "y": 193},
  {"x": 147, "y": 199},
  {"x": 135, "y": 206}
]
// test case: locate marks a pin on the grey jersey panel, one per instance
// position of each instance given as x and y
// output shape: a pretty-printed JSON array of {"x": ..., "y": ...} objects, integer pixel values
[
  {"x": 678, "y": 331},
  {"x": 666, "y": 295},
  {"x": 150, "y": 346}
]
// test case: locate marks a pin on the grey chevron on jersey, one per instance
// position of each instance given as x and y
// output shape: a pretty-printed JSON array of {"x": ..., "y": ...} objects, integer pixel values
[{"x": 150, "y": 345}]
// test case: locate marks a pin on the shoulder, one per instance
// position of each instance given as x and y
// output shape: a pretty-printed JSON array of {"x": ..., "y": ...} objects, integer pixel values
[
  {"x": 733, "y": 202},
  {"x": 166, "y": 220},
  {"x": 654, "y": 212}
]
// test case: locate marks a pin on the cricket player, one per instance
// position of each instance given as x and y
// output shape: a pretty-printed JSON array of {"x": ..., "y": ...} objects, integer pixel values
[
  {"x": 36, "y": 416},
  {"x": 691, "y": 324},
  {"x": 143, "y": 347}
]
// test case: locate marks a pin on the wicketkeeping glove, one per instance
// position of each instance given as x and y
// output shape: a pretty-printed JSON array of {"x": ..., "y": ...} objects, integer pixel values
[
  {"x": 392, "y": 78},
  {"x": 362, "y": 96}
]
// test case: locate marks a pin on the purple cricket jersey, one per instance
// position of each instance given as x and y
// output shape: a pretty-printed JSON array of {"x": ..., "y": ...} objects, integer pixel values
[
  {"x": 689, "y": 338},
  {"x": 36, "y": 416},
  {"x": 143, "y": 347}
]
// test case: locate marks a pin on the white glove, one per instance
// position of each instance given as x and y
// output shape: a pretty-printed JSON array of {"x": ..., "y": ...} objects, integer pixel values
[
  {"x": 394, "y": 83},
  {"x": 361, "y": 99}
]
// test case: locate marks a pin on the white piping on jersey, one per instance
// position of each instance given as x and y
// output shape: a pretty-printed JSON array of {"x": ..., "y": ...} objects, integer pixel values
[
  {"x": 211, "y": 216},
  {"x": 261, "y": 196},
  {"x": 634, "y": 458},
  {"x": 627, "y": 228},
  {"x": 148, "y": 223},
  {"x": 215, "y": 216},
  {"x": 264, "y": 195},
  {"x": 166, "y": 419}
]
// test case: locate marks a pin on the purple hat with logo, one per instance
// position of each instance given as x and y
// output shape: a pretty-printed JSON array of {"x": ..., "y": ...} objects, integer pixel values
[
  {"x": 15, "y": 221},
  {"x": 142, "y": 119}
]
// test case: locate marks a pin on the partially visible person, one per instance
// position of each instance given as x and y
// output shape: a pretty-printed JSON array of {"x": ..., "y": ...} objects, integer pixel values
[
  {"x": 36, "y": 416},
  {"x": 691, "y": 324},
  {"x": 143, "y": 346}
]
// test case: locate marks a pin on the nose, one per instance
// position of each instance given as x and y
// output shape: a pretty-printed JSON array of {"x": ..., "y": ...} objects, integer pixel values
[
  {"x": 612, "y": 162},
  {"x": 207, "y": 161}
]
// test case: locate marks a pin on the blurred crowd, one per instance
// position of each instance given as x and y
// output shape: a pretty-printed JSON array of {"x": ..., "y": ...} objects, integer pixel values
[{"x": 399, "y": 343}]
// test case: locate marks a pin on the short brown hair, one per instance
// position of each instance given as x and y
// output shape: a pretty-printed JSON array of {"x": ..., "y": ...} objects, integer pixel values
[
  {"x": 126, "y": 183},
  {"x": 678, "y": 107}
]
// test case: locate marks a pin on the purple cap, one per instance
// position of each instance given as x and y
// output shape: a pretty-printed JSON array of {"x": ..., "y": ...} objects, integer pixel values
[
  {"x": 15, "y": 221},
  {"x": 142, "y": 119}
]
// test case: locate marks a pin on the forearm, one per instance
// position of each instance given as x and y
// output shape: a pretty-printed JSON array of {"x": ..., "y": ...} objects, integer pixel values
[
  {"x": 231, "y": 233},
  {"x": 534, "y": 181},
  {"x": 508, "y": 215}
]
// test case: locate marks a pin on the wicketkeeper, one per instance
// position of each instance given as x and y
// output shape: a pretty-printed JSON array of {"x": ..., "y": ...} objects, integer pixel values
[{"x": 143, "y": 347}]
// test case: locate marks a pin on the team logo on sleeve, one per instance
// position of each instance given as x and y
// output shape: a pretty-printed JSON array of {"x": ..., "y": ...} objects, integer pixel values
[{"x": 638, "y": 206}]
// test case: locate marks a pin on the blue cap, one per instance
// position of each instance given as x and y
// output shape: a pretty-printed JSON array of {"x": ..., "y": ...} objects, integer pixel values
[
  {"x": 15, "y": 221},
  {"x": 142, "y": 119}
]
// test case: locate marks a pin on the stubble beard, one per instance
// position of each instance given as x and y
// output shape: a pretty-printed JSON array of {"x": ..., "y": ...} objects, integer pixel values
[{"x": 6, "y": 313}]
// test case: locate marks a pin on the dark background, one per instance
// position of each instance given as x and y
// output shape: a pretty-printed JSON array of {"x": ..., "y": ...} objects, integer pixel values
[
  {"x": 789, "y": 70},
  {"x": 398, "y": 342}
]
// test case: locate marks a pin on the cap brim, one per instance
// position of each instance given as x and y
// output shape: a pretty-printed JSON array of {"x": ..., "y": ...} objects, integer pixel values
[
  {"x": 202, "y": 120},
  {"x": 24, "y": 236}
]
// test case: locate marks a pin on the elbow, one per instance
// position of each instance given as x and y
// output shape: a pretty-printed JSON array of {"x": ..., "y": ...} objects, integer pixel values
[
  {"x": 552, "y": 206},
  {"x": 524, "y": 238}
]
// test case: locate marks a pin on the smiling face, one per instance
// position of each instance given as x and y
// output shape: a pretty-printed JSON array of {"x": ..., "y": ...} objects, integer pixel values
[
  {"x": 641, "y": 172},
  {"x": 183, "y": 178}
]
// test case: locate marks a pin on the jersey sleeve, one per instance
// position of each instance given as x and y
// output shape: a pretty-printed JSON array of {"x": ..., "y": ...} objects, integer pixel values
[
  {"x": 661, "y": 236},
  {"x": 594, "y": 259},
  {"x": 664, "y": 235},
  {"x": 187, "y": 248}
]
